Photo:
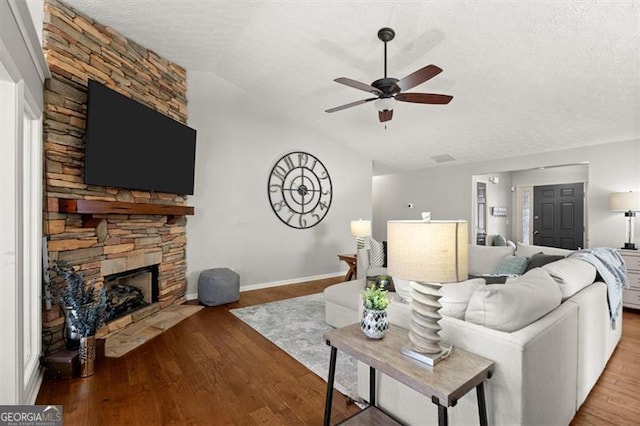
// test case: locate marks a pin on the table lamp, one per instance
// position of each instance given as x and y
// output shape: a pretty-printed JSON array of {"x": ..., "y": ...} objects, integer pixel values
[
  {"x": 360, "y": 229},
  {"x": 429, "y": 254},
  {"x": 629, "y": 203}
]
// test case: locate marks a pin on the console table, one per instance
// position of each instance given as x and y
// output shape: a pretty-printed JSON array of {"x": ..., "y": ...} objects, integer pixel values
[
  {"x": 444, "y": 384},
  {"x": 352, "y": 261}
]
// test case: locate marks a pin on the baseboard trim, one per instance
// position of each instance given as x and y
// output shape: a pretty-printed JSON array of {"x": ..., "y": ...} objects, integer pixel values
[
  {"x": 31, "y": 392},
  {"x": 291, "y": 281},
  {"x": 194, "y": 296}
]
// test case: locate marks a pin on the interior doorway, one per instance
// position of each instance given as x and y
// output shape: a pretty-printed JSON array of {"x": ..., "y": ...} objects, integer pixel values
[{"x": 511, "y": 194}]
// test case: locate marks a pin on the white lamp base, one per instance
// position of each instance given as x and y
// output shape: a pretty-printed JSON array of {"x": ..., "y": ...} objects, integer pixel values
[
  {"x": 424, "y": 329},
  {"x": 429, "y": 359}
]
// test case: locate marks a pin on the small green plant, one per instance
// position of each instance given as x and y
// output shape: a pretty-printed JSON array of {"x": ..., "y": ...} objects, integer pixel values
[
  {"x": 86, "y": 305},
  {"x": 375, "y": 298}
]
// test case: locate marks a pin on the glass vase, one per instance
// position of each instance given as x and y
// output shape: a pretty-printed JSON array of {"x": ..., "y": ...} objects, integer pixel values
[{"x": 87, "y": 355}]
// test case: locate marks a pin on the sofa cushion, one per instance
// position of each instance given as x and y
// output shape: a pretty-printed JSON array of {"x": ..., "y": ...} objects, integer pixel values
[
  {"x": 511, "y": 265},
  {"x": 344, "y": 294},
  {"x": 538, "y": 260},
  {"x": 483, "y": 259},
  {"x": 516, "y": 304},
  {"x": 572, "y": 275},
  {"x": 528, "y": 250},
  {"x": 455, "y": 297}
]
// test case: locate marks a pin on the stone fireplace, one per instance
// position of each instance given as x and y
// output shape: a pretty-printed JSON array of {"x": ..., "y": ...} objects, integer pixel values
[
  {"x": 130, "y": 289},
  {"x": 125, "y": 229}
]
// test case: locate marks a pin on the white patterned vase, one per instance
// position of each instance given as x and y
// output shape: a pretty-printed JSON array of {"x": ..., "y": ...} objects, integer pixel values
[{"x": 374, "y": 323}]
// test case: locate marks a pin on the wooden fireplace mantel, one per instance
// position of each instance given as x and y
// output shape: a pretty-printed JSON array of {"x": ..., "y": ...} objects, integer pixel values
[{"x": 91, "y": 207}]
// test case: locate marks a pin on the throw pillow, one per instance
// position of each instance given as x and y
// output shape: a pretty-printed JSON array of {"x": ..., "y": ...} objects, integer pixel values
[
  {"x": 376, "y": 253},
  {"x": 540, "y": 259},
  {"x": 491, "y": 279},
  {"x": 572, "y": 275},
  {"x": 513, "y": 306},
  {"x": 499, "y": 241},
  {"x": 483, "y": 259},
  {"x": 384, "y": 250},
  {"x": 455, "y": 297},
  {"x": 511, "y": 265}
]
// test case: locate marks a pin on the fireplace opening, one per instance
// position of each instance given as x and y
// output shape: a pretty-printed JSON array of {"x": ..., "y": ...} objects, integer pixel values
[{"x": 131, "y": 290}]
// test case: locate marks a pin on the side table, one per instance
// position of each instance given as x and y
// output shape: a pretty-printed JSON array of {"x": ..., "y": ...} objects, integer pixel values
[
  {"x": 352, "y": 261},
  {"x": 631, "y": 296},
  {"x": 444, "y": 384}
]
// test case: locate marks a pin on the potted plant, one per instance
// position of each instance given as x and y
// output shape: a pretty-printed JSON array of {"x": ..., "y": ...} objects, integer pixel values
[
  {"x": 85, "y": 308},
  {"x": 374, "y": 322}
]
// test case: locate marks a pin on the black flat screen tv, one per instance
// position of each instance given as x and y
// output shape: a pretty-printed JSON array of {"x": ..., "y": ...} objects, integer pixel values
[{"x": 129, "y": 145}]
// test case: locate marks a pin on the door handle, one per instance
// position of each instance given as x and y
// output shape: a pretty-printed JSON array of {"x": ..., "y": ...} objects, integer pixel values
[{"x": 536, "y": 232}]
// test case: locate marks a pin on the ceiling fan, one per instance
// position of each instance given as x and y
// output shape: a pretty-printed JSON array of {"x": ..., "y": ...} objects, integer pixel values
[{"x": 388, "y": 89}]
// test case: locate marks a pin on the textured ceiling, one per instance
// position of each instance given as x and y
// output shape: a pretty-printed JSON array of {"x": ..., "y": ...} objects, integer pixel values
[{"x": 526, "y": 76}]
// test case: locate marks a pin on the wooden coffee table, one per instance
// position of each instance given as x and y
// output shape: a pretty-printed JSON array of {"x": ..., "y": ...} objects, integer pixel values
[
  {"x": 444, "y": 383},
  {"x": 352, "y": 261}
]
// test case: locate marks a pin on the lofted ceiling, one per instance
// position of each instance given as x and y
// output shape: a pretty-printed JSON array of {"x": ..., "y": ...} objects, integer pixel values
[{"x": 526, "y": 76}]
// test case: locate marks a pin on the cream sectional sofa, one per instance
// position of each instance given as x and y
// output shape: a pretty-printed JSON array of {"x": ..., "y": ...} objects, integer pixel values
[{"x": 544, "y": 370}]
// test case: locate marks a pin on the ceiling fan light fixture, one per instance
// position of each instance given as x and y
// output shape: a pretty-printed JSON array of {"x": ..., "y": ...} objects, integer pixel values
[
  {"x": 388, "y": 90},
  {"x": 385, "y": 104}
]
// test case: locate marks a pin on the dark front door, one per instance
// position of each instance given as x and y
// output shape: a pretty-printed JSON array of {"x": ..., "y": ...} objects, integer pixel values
[{"x": 558, "y": 215}]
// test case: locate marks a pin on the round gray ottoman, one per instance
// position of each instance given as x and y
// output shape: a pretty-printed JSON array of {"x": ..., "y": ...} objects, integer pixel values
[{"x": 218, "y": 286}]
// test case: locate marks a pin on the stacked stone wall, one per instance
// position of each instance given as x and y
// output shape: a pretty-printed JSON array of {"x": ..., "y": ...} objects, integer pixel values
[{"x": 77, "y": 49}]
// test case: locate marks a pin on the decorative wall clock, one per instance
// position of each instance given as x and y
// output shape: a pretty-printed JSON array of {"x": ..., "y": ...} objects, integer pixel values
[{"x": 300, "y": 190}]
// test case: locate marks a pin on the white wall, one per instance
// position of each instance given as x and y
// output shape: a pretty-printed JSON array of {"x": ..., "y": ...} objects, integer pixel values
[
  {"x": 239, "y": 140},
  {"x": 447, "y": 191},
  {"x": 498, "y": 195},
  {"x": 551, "y": 175}
]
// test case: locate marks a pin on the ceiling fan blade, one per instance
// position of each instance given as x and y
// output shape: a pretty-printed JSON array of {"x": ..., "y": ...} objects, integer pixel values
[
  {"x": 418, "y": 77},
  {"x": 424, "y": 98},
  {"x": 385, "y": 115},
  {"x": 352, "y": 104},
  {"x": 358, "y": 85}
]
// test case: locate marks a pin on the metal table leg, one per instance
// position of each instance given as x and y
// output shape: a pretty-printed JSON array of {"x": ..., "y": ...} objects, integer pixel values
[
  {"x": 482, "y": 405},
  {"x": 329, "y": 397},
  {"x": 372, "y": 386},
  {"x": 443, "y": 415}
]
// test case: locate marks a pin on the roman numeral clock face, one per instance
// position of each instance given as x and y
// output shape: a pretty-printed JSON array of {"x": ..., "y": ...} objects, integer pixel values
[{"x": 300, "y": 190}]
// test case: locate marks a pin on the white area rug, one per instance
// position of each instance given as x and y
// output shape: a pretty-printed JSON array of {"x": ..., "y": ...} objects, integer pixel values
[{"x": 296, "y": 326}]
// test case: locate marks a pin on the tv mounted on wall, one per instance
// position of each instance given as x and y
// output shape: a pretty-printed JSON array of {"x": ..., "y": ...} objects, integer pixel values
[{"x": 129, "y": 145}]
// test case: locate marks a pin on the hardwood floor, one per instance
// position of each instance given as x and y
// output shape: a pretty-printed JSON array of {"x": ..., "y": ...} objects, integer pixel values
[
  {"x": 209, "y": 369},
  {"x": 213, "y": 369},
  {"x": 614, "y": 398}
]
